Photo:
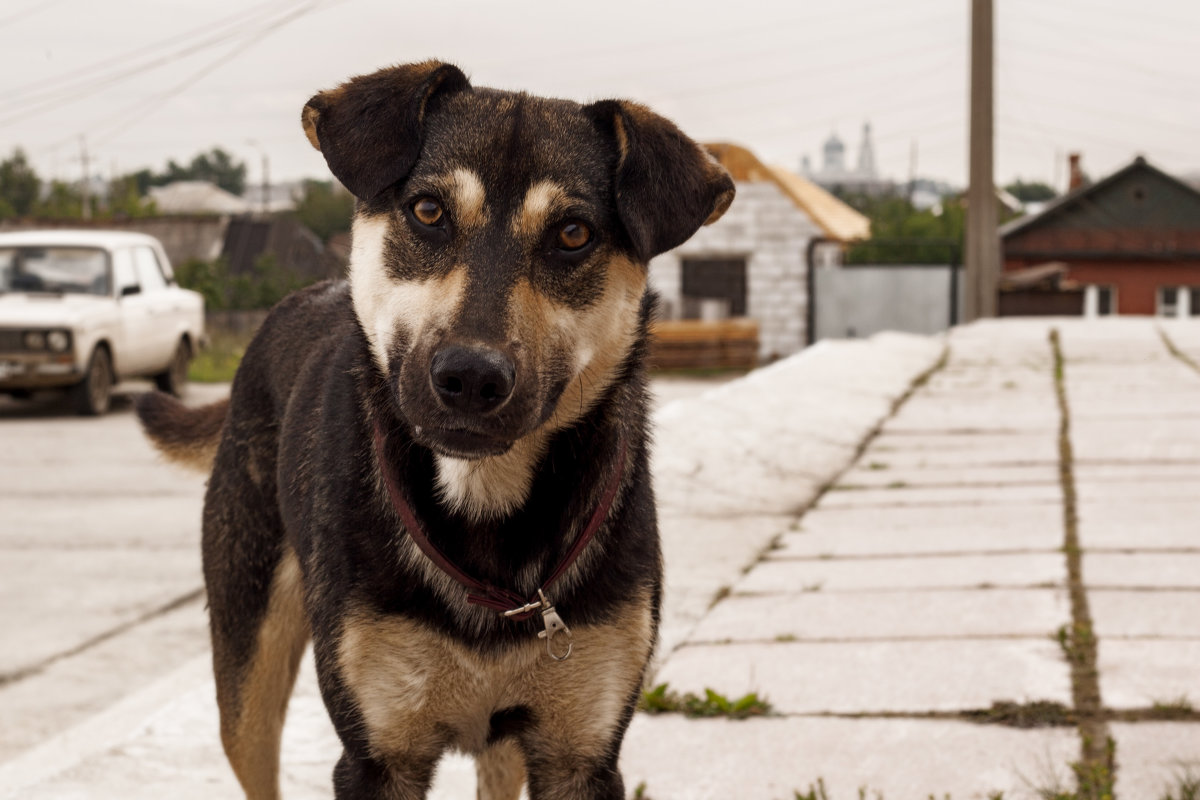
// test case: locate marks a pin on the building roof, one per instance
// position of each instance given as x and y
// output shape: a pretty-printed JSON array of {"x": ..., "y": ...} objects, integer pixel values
[
  {"x": 1103, "y": 205},
  {"x": 836, "y": 219},
  {"x": 196, "y": 197}
]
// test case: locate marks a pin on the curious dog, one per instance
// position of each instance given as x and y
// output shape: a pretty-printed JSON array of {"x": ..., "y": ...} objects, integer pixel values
[{"x": 438, "y": 472}]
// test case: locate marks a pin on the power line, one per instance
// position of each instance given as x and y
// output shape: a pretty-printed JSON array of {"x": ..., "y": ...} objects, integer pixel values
[
  {"x": 129, "y": 116},
  {"x": 51, "y": 99},
  {"x": 50, "y": 85},
  {"x": 36, "y": 8}
]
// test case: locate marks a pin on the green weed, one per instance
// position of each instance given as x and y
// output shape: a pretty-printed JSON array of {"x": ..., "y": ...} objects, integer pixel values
[{"x": 662, "y": 700}]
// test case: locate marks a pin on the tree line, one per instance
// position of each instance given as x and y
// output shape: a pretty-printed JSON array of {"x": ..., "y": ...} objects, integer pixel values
[{"x": 322, "y": 206}]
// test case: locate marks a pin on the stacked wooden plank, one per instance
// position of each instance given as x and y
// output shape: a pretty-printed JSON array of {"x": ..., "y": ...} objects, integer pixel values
[{"x": 696, "y": 344}]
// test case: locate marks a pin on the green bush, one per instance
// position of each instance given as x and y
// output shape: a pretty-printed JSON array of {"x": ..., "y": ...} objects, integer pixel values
[{"x": 263, "y": 287}]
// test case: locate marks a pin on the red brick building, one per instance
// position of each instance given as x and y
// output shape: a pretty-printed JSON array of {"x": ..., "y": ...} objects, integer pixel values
[{"x": 1130, "y": 242}]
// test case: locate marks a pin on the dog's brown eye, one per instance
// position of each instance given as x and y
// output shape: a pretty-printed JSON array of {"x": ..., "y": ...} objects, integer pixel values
[
  {"x": 427, "y": 211},
  {"x": 574, "y": 236}
]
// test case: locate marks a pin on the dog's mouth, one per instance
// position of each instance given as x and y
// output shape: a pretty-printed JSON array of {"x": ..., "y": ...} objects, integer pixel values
[{"x": 461, "y": 443}]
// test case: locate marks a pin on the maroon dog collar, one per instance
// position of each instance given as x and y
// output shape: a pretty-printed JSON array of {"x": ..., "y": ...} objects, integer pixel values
[{"x": 480, "y": 593}]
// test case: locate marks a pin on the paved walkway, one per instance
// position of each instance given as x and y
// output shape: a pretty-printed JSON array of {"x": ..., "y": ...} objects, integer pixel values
[{"x": 984, "y": 559}]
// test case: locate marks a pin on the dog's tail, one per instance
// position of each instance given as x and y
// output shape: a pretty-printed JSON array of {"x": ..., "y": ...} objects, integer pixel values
[{"x": 185, "y": 435}]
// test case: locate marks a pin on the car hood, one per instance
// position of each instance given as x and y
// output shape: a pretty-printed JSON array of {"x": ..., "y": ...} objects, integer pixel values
[{"x": 19, "y": 309}]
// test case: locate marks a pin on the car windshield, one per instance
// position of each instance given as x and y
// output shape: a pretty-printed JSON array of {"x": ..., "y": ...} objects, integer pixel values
[{"x": 77, "y": 270}]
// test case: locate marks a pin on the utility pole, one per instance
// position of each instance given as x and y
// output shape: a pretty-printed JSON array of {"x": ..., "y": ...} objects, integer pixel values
[
  {"x": 266, "y": 175},
  {"x": 85, "y": 188},
  {"x": 912, "y": 170},
  {"x": 983, "y": 244},
  {"x": 266, "y": 188}
]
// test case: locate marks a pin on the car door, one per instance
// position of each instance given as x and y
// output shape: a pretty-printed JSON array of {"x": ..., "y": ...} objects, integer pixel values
[
  {"x": 130, "y": 353},
  {"x": 162, "y": 333}
]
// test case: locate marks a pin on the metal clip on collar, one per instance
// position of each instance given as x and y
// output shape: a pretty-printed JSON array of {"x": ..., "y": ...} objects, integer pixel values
[
  {"x": 553, "y": 622},
  {"x": 554, "y": 625}
]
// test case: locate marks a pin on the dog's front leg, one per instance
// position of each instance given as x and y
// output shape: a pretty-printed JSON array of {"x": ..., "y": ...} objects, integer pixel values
[
  {"x": 363, "y": 778},
  {"x": 564, "y": 775}
]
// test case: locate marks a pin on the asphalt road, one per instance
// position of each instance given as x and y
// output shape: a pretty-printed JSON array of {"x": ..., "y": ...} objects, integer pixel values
[{"x": 100, "y": 580}]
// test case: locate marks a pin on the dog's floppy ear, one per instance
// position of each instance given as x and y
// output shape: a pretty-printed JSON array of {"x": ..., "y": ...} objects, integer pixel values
[
  {"x": 667, "y": 186},
  {"x": 370, "y": 128}
]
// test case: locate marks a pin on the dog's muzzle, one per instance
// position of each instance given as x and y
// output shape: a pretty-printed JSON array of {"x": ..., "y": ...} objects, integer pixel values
[{"x": 472, "y": 380}]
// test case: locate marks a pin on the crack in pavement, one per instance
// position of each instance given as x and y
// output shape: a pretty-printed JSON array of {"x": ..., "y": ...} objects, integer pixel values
[{"x": 14, "y": 676}]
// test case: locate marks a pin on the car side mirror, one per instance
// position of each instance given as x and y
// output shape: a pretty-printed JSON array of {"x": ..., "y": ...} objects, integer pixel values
[{"x": 128, "y": 290}]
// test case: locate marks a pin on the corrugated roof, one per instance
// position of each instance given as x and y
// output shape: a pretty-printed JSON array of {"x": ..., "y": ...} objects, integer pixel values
[
  {"x": 836, "y": 219},
  {"x": 196, "y": 197},
  {"x": 1073, "y": 198}
]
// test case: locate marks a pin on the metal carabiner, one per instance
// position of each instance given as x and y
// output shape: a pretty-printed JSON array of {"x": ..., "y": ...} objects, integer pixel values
[{"x": 554, "y": 626}]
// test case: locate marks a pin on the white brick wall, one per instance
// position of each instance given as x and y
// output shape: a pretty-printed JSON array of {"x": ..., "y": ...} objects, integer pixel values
[{"x": 764, "y": 227}]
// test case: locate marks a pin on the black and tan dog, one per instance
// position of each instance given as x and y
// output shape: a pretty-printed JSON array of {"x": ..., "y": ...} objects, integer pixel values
[{"x": 438, "y": 472}]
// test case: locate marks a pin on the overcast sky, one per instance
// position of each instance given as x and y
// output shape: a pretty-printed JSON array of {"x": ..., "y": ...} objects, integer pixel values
[{"x": 148, "y": 80}]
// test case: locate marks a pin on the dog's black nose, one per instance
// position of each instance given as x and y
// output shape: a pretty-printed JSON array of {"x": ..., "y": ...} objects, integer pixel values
[{"x": 472, "y": 379}]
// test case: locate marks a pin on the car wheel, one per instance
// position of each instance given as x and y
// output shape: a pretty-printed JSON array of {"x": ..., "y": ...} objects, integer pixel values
[
  {"x": 91, "y": 396},
  {"x": 174, "y": 378}
]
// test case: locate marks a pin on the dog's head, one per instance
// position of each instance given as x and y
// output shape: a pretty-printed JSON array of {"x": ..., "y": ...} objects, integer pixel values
[{"x": 500, "y": 242}]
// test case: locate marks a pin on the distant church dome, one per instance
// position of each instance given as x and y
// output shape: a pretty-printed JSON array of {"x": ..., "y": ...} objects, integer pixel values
[{"x": 835, "y": 154}]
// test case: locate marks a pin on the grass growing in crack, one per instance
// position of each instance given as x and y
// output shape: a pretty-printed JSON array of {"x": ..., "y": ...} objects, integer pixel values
[
  {"x": 1187, "y": 786},
  {"x": 662, "y": 700},
  {"x": 1036, "y": 714},
  {"x": 877, "y": 465},
  {"x": 817, "y": 791},
  {"x": 1179, "y": 708},
  {"x": 1077, "y": 643},
  {"x": 1094, "y": 779}
]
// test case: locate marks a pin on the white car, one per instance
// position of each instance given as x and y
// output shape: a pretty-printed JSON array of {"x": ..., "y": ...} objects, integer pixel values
[{"x": 83, "y": 309}]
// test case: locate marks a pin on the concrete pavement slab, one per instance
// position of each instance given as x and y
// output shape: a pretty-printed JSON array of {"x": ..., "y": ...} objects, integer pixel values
[
  {"x": 1175, "y": 439},
  {"x": 1127, "y": 523},
  {"x": 873, "y": 676},
  {"x": 685, "y": 759},
  {"x": 703, "y": 557},
  {"x": 863, "y": 474},
  {"x": 977, "y": 411},
  {"x": 1142, "y": 570},
  {"x": 1160, "y": 612},
  {"x": 908, "y": 531},
  {"x": 1152, "y": 757},
  {"x": 164, "y": 742},
  {"x": 844, "y": 616},
  {"x": 811, "y": 413},
  {"x": 918, "y": 572},
  {"x": 1184, "y": 485},
  {"x": 42, "y": 618},
  {"x": 849, "y": 495},
  {"x": 963, "y": 450},
  {"x": 1136, "y": 673},
  {"x": 121, "y": 521},
  {"x": 66, "y": 692}
]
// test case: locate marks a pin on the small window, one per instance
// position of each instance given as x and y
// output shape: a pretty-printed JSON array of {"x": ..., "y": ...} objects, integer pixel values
[
  {"x": 1194, "y": 305},
  {"x": 1099, "y": 301},
  {"x": 1168, "y": 301},
  {"x": 714, "y": 288},
  {"x": 149, "y": 272}
]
